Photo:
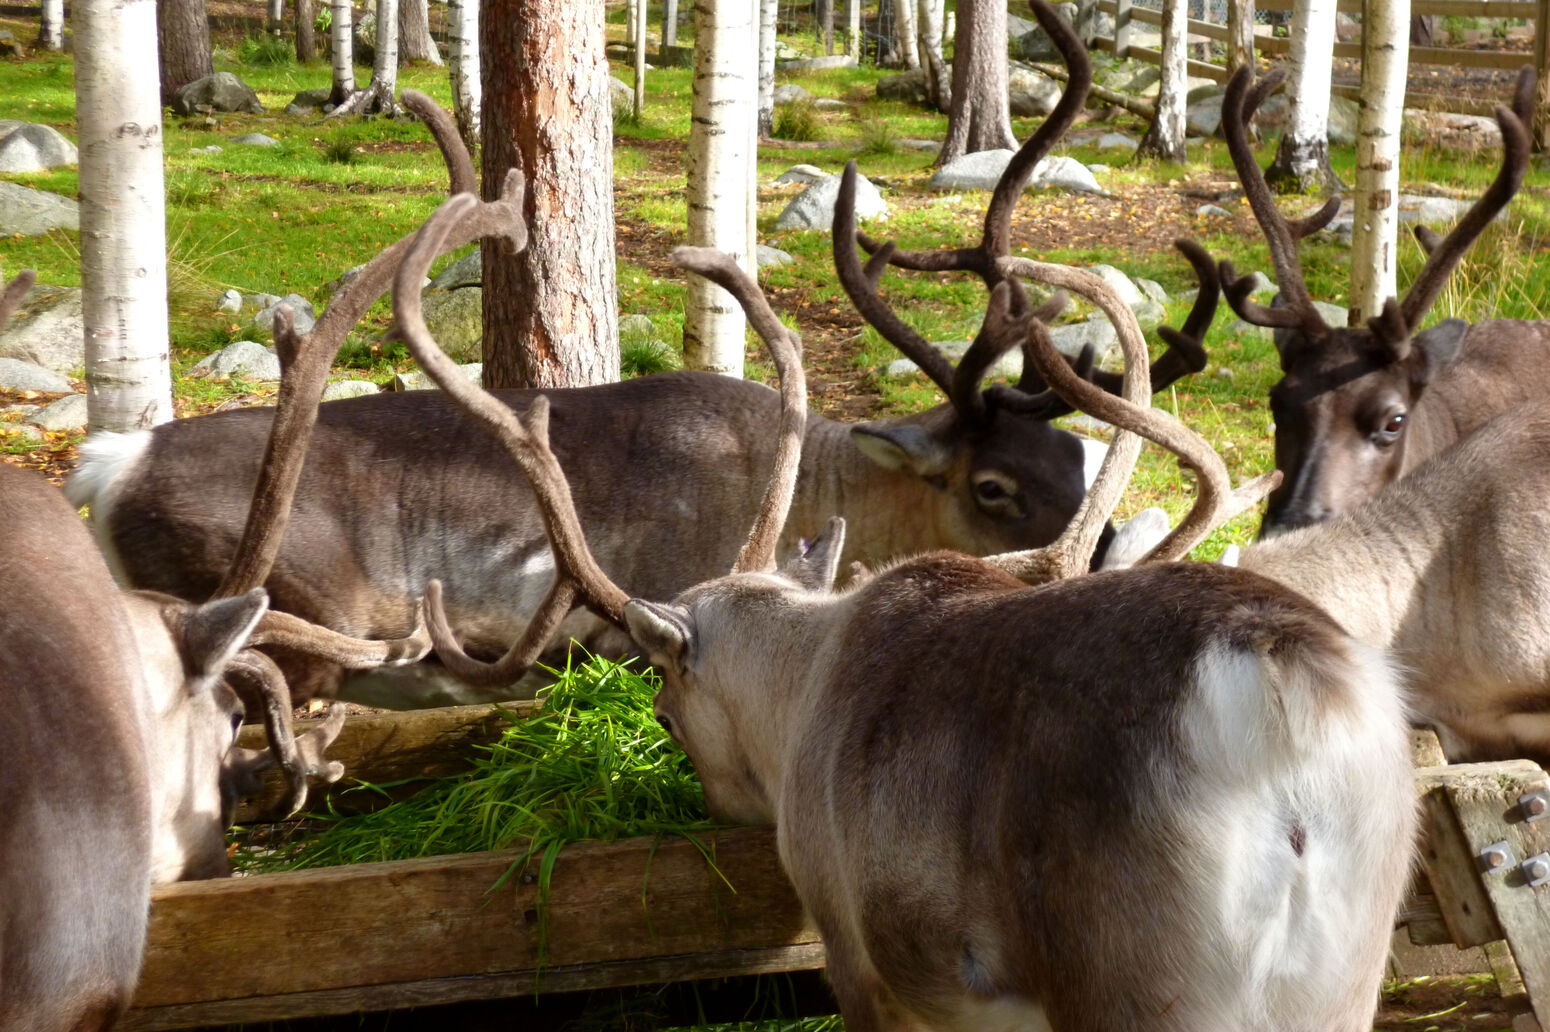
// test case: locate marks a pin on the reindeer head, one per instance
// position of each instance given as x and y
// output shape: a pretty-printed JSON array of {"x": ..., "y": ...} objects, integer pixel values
[{"x": 1347, "y": 393}]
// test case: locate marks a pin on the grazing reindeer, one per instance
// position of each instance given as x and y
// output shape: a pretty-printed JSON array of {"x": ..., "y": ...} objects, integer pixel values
[
  {"x": 400, "y": 488},
  {"x": 997, "y": 800},
  {"x": 1356, "y": 407}
]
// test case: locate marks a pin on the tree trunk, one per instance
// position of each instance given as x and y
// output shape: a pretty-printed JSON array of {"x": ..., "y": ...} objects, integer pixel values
[
  {"x": 979, "y": 118},
  {"x": 769, "y": 11},
  {"x": 853, "y": 28},
  {"x": 1164, "y": 138},
  {"x": 306, "y": 39},
  {"x": 463, "y": 66},
  {"x": 549, "y": 313},
  {"x": 123, "y": 216},
  {"x": 1385, "y": 62},
  {"x": 669, "y": 23},
  {"x": 184, "y": 33},
  {"x": 906, "y": 28},
  {"x": 276, "y": 15},
  {"x": 631, "y": 16},
  {"x": 720, "y": 152},
  {"x": 1302, "y": 158},
  {"x": 381, "y": 95},
  {"x": 414, "y": 33},
  {"x": 1240, "y": 34},
  {"x": 342, "y": 44},
  {"x": 939, "y": 85},
  {"x": 823, "y": 24},
  {"x": 51, "y": 27},
  {"x": 639, "y": 39},
  {"x": 1423, "y": 31}
]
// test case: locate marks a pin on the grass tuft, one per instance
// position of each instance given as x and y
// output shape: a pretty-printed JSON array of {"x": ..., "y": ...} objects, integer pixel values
[
  {"x": 265, "y": 51},
  {"x": 796, "y": 121},
  {"x": 340, "y": 152}
]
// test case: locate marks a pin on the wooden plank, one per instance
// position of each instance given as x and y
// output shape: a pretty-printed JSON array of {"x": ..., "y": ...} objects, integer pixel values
[
  {"x": 1198, "y": 69},
  {"x": 1432, "y": 101},
  {"x": 1450, "y": 864},
  {"x": 387, "y": 747},
  {"x": 1501, "y": 59},
  {"x": 1425, "y": 749},
  {"x": 618, "y": 913}
]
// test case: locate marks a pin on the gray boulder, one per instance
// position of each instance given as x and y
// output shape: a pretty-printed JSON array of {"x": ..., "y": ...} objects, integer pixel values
[
  {"x": 1035, "y": 44},
  {"x": 365, "y": 42},
  {"x": 20, "y": 435},
  {"x": 245, "y": 358},
  {"x": 341, "y": 389},
  {"x": 634, "y": 326},
  {"x": 1117, "y": 141},
  {"x": 17, "y": 375},
  {"x": 813, "y": 208},
  {"x": 1343, "y": 115},
  {"x": 68, "y": 413},
  {"x": 302, "y": 315},
  {"x": 1149, "y": 314},
  {"x": 909, "y": 87},
  {"x": 33, "y": 148},
  {"x": 818, "y": 63},
  {"x": 1030, "y": 93},
  {"x": 47, "y": 329},
  {"x": 768, "y": 255},
  {"x": 256, "y": 140},
  {"x": 467, "y": 271},
  {"x": 33, "y": 212},
  {"x": 229, "y": 301},
  {"x": 622, "y": 95},
  {"x": 1071, "y": 338},
  {"x": 1204, "y": 116},
  {"x": 1066, "y": 174},
  {"x": 456, "y": 320},
  {"x": 790, "y": 93},
  {"x": 804, "y": 175},
  {"x": 830, "y": 104},
  {"x": 1152, "y": 290},
  {"x": 982, "y": 170},
  {"x": 418, "y": 381},
  {"x": 1213, "y": 211},
  {"x": 309, "y": 101},
  {"x": 222, "y": 91},
  {"x": 1122, "y": 284}
]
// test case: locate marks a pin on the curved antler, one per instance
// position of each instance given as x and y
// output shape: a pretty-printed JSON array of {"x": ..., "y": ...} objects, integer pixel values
[
  {"x": 292, "y": 632},
  {"x": 299, "y": 757}
]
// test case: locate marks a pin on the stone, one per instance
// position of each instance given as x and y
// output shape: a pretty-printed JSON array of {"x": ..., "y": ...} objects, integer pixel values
[
  {"x": 418, "y": 381},
  {"x": 456, "y": 319},
  {"x": 813, "y": 208},
  {"x": 921, "y": 145},
  {"x": 1117, "y": 141},
  {"x": 68, "y": 413},
  {"x": 308, "y": 101},
  {"x": 1071, "y": 338},
  {"x": 214, "y": 148},
  {"x": 467, "y": 271},
  {"x": 636, "y": 326},
  {"x": 1333, "y": 314},
  {"x": 1030, "y": 93},
  {"x": 1241, "y": 329},
  {"x": 982, "y": 171},
  {"x": 790, "y": 92},
  {"x": 222, "y": 91},
  {"x": 341, "y": 389},
  {"x": 20, "y": 435},
  {"x": 1262, "y": 283},
  {"x": 47, "y": 329},
  {"x": 804, "y": 175},
  {"x": 10, "y": 46},
  {"x": 1343, "y": 115},
  {"x": 18, "y": 375},
  {"x": 34, "y": 148},
  {"x": 1035, "y": 44},
  {"x": 1086, "y": 424},
  {"x": 245, "y": 358},
  {"x": 1066, "y": 174},
  {"x": 622, "y": 94},
  {"x": 814, "y": 64},
  {"x": 262, "y": 301},
  {"x": 1149, "y": 314},
  {"x": 1204, "y": 117},
  {"x": 1224, "y": 373},
  {"x": 303, "y": 317},
  {"x": 1122, "y": 284},
  {"x": 230, "y": 301},
  {"x": 1098, "y": 170},
  {"x": 1212, "y": 211},
  {"x": 830, "y": 104},
  {"x": 365, "y": 41},
  {"x": 1152, "y": 290},
  {"x": 34, "y": 212},
  {"x": 909, "y": 87},
  {"x": 768, "y": 255},
  {"x": 256, "y": 140}
]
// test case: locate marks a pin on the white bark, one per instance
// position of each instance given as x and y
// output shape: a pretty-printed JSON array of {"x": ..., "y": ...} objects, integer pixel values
[
  {"x": 341, "y": 36},
  {"x": 463, "y": 67},
  {"x": 631, "y": 16},
  {"x": 123, "y": 215},
  {"x": 1304, "y": 148},
  {"x": 1385, "y": 62},
  {"x": 669, "y": 23},
  {"x": 638, "y": 37},
  {"x": 769, "y": 12},
  {"x": 276, "y": 14},
  {"x": 853, "y": 28},
  {"x": 51, "y": 31},
  {"x": 720, "y": 134},
  {"x": 904, "y": 27},
  {"x": 929, "y": 32},
  {"x": 1164, "y": 139},
  {"x": 381, "y": 96}
]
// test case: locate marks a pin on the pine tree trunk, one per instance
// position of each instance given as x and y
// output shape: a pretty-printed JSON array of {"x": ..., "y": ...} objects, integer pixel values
[
  {"x": 669, "y": 23},
  {"x": 342, "y": 44},
  {"x": 463, "y": 66},
  {"x": 1302, "y": 157},
  {"x": 1375, "y": 236},
  {"x": 306, "y": 38},
  {"x": 906, "y": 28},
  {"x": 978, "y": 119},
  {"x": 720, "y": 152},
  {"x": 769, "y": 12},
  {"x": 51, "y": 27},
  {"x": 414, "y": 33},
  {"x": 184, "y": 33},
  {"x": 123, "y": 216},
  {"x": 549, "y": 313},
  {"x": 939, "y": 85},
  {"x": 1164, "y": 138},
  {"x": 1240, "y": 34}
]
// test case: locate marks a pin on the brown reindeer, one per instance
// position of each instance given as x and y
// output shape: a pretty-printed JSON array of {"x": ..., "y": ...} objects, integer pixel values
[
  {"x": 996, "y": 800},
  {"x": 400, "y": 488},
  {"x": 1358, "y": 406}
]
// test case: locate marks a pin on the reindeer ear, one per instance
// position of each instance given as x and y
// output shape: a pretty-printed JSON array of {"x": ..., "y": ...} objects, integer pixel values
[
  {"x": 903, "y": 447},
  {"x": 664, "y": 632},
  {"x": 1435, "y": 349},
  {"x": 209, "y": 635},
  {"x": 819, "y": 563}
]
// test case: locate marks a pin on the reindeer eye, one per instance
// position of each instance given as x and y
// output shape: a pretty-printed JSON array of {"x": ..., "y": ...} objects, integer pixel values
[
  {"x": 236, "y": 723},
  {"x": 989, "y": 490},
  {"x": 1393, "y": 425},
  {"x": 666, "y": 722}
]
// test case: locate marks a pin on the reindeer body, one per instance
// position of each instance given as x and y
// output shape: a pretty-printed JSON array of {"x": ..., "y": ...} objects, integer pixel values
[
  {"x": 1445, "y": 569},
  {"x": 400, "y": 488},
  {"x": 997, "y": 802}
]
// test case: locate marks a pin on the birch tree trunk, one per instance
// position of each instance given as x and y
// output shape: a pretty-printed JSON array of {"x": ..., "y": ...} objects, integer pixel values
[
  {"x": 725, "y": 96},
  {"x": 853, "y": 28},
  {"x": 631, "y": 16},
  {"x": 769, "y": 11},
  {"x": 823, "y": 24},
  {"x": 306, "y": 37},
  {"x": 123, "y": 216},
  {"x": 907, "y": 27},
  {"x": 381, "y": 96},
  {"x": 463, "y": 66},
  {"x": 276, "y": 15},
  {"x": 414, "y": 32},
  {"x": 669, "y": 23},
  {"x": 341, "y": 36},
  {"x": 51, "y": 28},
  {"x": 639, "y": 39},
  {"x": 550, "y": 312},
  {"x": 1385, "y": 62},
  {"x": 1302, "y": 157},
  {"x": 184, "y": 37},
  {"x": 1240, "y": 34},
  {"x": 979, "y": 118},
  {"x": 1164, "y": 138},
  {"x": 939, "y": 84}
]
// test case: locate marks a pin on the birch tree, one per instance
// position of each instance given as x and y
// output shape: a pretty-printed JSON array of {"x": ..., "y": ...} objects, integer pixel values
[
  {"x": 1374, "y": 238},
  {"x": 669, "y": 23},
  {"x": 381, "y": 95},
  {"x": 979, "y": 118},
  {"x": 906, "y": 28},
  {"x": 341, "y": 37},
  {"x": 853, "y": 28},
  {"x": 1164, "y": 138},
  {"x": 183, "y": 36},
  {"x": 414, "y": 32},
  {"x": 939, "y": 84},
  {"x": 123, "y": 216},
  {"x": 549, "y": 312},
  {"x": 823, "y": 24},
  {"x": 275, "y": 15},
  {"x": 1302, "y": 157},
  {"x": 51, "y": 28},
  {"x": 720, "y": 155},
  {"x": 638, "y": 38},
  {"x": 463, "y": 67},
  {"x": 769, "y": 11}
]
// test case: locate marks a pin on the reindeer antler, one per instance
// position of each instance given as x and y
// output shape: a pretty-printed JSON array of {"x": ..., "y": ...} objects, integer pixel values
[{"x": 299, "y": 757}]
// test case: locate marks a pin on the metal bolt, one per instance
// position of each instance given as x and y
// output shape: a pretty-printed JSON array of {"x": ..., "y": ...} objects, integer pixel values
[
  {"x": 1535, "y": 805},
  {"x": 1496, "y": 856},
  {"x": 1536, "y": 869}
]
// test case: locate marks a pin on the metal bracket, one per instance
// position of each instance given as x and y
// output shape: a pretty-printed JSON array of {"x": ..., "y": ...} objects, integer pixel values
[
  {"x": 1536, "y": 869},
  {"x": 1535, "y": 805},
  {"x": 1496, "y": 857}
]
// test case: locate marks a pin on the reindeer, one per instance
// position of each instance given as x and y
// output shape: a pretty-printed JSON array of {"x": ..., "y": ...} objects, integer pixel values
[
  {"x": 1358, "y": 406},
  {"x": 952, "y": 757},
  {"x": 401, "y": 488}
]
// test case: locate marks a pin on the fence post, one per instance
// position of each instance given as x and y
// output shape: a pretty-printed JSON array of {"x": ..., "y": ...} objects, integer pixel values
[
  {"x": 1541, "y": 131},
  {"x": 1122, "y": 28}
]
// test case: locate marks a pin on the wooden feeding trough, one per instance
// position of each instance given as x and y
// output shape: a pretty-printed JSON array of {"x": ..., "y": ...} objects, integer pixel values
[{"x": 372, "y": 937}]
